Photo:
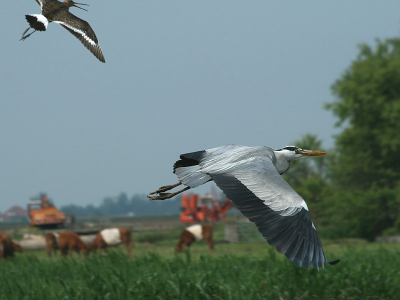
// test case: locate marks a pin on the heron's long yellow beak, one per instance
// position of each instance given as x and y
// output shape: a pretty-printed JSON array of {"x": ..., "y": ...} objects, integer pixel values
[{"x": 311, "y": 153}]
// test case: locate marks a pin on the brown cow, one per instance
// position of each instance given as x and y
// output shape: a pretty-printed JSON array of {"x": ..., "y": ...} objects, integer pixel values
[
  {"x": 196, "y": 233},
  {"x": 69, "y": 241},
  {"x": 7, "y": 246},
  {"x": 51, "y": 243},
  {"x": 113, "y": 237}
]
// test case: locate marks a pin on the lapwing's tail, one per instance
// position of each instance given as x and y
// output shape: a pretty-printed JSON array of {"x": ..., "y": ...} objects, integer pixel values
[{"x": 36, "y": 22}]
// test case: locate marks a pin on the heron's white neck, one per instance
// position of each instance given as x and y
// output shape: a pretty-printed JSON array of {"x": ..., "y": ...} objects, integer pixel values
[{"x": 282, "y": 162}]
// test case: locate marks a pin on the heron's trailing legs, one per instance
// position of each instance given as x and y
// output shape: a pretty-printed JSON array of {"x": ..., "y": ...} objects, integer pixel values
[
  {"x": 26, "y": 36},
  {"x": 166, "y": 188},
  {"x": 163, "y": 196}
]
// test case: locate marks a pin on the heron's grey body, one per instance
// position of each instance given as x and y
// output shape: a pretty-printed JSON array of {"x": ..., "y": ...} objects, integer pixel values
[
  {"x": 58, "y": 12},
  {"x": 253, "y": 166},
  {"x": 251, "y": 178}
]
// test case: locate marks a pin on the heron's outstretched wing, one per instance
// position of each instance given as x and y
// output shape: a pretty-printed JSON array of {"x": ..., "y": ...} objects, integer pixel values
[
  {"x": 82, "y": 30},
  {"x": 281, "y": 215}
]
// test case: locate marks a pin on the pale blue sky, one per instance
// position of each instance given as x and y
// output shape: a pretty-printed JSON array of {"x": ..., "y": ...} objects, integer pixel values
[{"x": 180, "y": 76}]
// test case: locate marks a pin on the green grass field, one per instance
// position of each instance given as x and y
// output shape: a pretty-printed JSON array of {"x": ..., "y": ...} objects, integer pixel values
[{"x": 232, "y": 271}]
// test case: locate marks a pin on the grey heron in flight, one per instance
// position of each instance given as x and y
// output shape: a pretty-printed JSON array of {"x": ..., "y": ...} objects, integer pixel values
[{"x": 251, "y": 178}]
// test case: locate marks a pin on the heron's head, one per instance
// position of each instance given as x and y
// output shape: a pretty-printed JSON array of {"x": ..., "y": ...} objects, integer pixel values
[{"x": 293, "y": 152}]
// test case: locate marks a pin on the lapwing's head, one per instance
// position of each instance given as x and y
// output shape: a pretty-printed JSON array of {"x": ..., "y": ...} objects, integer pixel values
[{"x": 74, "y": 4}]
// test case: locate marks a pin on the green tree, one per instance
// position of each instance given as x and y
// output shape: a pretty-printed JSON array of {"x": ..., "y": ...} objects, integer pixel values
[
  {"x": 368, "y": 102},
  {"x": 367, "y": 171}
]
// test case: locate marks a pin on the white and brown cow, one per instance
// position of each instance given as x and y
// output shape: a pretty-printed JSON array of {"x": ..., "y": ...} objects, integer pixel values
[
  {"x": 196, "y": 233},
  {"x": 70, "y": 241},
  {"x": 113, "y": 237}
]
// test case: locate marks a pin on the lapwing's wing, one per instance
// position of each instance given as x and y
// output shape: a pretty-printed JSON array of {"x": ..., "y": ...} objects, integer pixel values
[
  {"x": 44, "y": 2},
  {"x": 281, "y": 215},
  {"x": 82, "y": 30},
  {"x": 37, "y": 21}
]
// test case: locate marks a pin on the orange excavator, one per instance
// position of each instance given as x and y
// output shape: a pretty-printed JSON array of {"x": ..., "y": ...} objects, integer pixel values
[
  {"x": 43, "y": 214},
  {"x": 206, "y": 208}
]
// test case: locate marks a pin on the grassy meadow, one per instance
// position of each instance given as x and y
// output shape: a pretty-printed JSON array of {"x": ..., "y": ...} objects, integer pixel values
[{"x": 249, "y": 270}]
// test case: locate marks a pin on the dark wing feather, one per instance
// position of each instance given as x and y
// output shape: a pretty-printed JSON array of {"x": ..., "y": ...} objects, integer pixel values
[
  {"x": 83, "y": 32},
  {"x": 198, "y": 155},
  {"x": 288, "y": 228},
  {"x": 189, "y": 159},
  {"x": 194, "y": 158}
]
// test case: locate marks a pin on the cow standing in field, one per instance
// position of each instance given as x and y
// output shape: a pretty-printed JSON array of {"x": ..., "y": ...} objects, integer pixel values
[
  {"x": 69, "y": 241},
  {"x": 196, "y": 233},
  {"x": 51, "y": 243},
  {"x": 113, "y": 237},
  {"x": 8, "y": 247}
]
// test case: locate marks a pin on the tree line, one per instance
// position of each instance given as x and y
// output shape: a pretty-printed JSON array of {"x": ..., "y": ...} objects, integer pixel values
[{"x": 122, "y": 205}]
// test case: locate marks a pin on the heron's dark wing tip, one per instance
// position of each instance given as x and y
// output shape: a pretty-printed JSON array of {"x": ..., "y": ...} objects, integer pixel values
[{"x": 334, "y": 262}]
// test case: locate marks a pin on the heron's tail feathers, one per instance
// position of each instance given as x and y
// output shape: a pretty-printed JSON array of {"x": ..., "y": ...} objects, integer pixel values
[
  {"x": 188, "y": 171},
  {"x": 190, "y": 176}
]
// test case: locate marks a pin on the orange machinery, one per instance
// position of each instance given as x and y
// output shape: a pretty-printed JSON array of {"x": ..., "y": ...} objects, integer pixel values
[
  {"x": 44, "y": 215},
  {"x": 196, "y": 209}
]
